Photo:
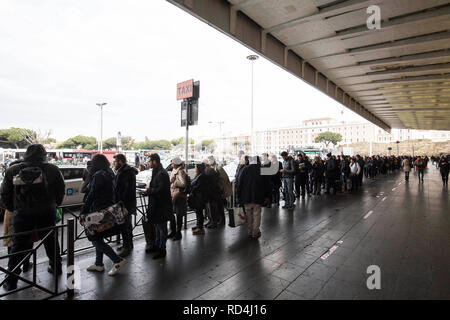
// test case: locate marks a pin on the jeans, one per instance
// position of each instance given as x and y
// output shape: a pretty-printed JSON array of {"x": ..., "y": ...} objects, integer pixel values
[
  {"x": 289, "y": 197},
  {"x": 253, "y": 214},
  {"x": 23, "y": 223},
  {"x": 161, "y": 235},
  {"x": 420, "y": 173},
  {"x": 149, "y": 232},
  {"x": 127, "y": 233},
  {"x": 101, "y": 247}
]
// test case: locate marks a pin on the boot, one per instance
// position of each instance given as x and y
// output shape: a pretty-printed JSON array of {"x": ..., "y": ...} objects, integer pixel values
[
  {"x": 161, "y": 254},
  {"x": 150, "y": 248},
  {"x": 171, "y": 235},
  {"x": 124, "y": 252},
  {"x": 177, "y": 236}
]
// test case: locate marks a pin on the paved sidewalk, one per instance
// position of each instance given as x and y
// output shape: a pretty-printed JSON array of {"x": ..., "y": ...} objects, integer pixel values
[{"x": 319, "y": 251}]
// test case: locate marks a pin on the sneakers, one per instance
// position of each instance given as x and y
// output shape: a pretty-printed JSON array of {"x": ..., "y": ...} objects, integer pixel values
[
  {"x": 161, "y": 254},
  {"x": 116, "y": 267},
  {"x": 95, "y": 267}
]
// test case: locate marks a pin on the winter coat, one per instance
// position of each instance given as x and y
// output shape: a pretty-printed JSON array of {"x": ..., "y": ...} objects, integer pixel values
[
  {"x": 317, "y": 170},
  {"x": 200, "y": 191},
  {"x": 289, "y": 167},
  {"x": 101, "y": 192},
  {"x": 406, "y": 164},
  {"x": 253, "y": 187},
  {"x": 125, "y": 187},
  {"x": 34, "y": 157},
  {"x": 159, "y": 199},
  {"x": 275, "y": 180}
]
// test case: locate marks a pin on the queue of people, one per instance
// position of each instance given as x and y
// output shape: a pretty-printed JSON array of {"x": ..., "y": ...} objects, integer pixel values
[{"x": 34, "y": 188}]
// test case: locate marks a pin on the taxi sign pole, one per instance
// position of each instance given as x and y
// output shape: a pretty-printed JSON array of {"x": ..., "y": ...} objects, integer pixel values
[{"x": 186, "y": 152}]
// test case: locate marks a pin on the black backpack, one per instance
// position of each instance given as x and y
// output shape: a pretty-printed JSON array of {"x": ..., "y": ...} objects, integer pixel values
[
  {"x": 30, "y": 187},
  {"x": 420, "y": 163}
]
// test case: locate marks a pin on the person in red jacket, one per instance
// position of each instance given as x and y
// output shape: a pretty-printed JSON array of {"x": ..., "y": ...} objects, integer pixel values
[{"x": 420, "y": 165}]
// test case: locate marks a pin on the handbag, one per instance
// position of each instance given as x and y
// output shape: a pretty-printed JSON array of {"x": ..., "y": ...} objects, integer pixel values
[
  {"x": 98, "y": 223},
  {"x": 236, "y": 214}
]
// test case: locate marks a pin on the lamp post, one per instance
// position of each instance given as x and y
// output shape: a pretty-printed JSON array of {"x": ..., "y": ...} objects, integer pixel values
[
  {"x": 252, "y": 58},
  {"x": 101, "y": 125}
]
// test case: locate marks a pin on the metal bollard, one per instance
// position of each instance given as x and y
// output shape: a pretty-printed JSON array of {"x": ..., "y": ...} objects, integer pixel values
[{"x": 70, "y": 257}]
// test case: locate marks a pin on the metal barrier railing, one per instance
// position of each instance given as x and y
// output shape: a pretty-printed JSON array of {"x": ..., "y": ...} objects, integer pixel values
[
  {"x": 137, "y": 221},
  {"x": 52, "y": 231}
]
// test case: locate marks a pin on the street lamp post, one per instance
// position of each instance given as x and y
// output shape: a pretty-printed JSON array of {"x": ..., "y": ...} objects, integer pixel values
[
  {"x": 101, "y": 125},
  {"x": 252, "y": 58}
]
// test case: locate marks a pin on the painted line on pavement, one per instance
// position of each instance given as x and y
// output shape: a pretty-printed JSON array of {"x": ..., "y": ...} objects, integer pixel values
[
  {"x": 368, "y": 214},
  {"x": 383, "y": 199}
]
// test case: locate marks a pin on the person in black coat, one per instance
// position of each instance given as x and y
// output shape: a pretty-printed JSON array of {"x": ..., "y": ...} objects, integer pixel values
[
  {"x": 34, "y": 206},
  {"x": 101, "y": 196},
  {"x": 331, "y": 173},
  {"x": 125, "y": 191},
  {"x": 199, "y": 196},
  {"x": 318, "y": 170},
  {"x": 253, "y": 191},
  {"x": 159, "y": 204}
]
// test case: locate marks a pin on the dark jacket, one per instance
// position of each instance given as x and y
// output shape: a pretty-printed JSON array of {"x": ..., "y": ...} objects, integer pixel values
[
  {"x": 125, "y": 187},
  {"x": 253, "y": 187},
  {"x": 289, "y": 166},
  {"x": 213, "y": 182},
  {"x": 331, "y": 167},
  {"x": 100, "y": 193},
  {"x": 317, "y": 171},
  {"x": 275, "y": 180},
  {"x": 200, "y": 191},
  {"x": 159, "y": 198},
  {"x": 34, "y": 157}
]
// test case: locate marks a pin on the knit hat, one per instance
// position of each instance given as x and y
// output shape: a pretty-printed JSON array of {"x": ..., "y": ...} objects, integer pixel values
[{"x": 177, "y": 161}]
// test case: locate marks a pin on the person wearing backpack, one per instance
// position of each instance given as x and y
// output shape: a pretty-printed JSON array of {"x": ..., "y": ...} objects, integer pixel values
[
  {"x": 178, "y": 184},
  {"x": 420, "y": 167},
  {"x": 33, "y": 189}
]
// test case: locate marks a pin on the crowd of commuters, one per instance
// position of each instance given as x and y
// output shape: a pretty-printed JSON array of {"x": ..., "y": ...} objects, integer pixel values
[{"x": 34, "y": 188}]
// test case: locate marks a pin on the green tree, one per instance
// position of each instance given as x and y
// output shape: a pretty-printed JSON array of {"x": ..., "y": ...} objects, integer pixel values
[
  {"x": 110, "y": 144},
  {"x": 208, "y": 144},
  {"x": 181, "y": 141},
  {"x": 328, "y": 137},
  {"x": 80, "y": 141},
  {"x": 17, "y": 137}
]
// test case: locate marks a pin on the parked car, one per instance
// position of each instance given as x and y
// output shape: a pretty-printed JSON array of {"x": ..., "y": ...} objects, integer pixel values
[
  {"x": 73, "y": 178},
  {"x": 144, "y": 177}
]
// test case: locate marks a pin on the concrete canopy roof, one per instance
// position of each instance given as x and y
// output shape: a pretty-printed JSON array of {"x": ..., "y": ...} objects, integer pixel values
[{"x": 396, "y": 77}]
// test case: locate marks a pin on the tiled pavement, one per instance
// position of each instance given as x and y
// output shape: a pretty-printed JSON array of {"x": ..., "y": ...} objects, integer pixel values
[{"x": 401, "y": 227}]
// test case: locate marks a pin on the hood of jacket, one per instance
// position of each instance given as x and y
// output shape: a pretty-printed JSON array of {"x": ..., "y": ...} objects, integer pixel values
[{"x": 35, "y": 153}]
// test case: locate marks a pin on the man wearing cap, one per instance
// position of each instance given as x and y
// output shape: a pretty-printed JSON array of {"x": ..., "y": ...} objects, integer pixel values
[
  {"x": 33, "y": 189},
  {"x": 178, "y": 183}
]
